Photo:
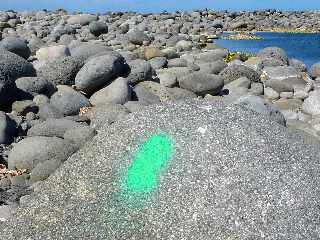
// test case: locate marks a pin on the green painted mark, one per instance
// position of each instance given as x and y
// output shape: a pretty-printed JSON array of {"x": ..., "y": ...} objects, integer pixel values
[{"x": 151, "y": 159}]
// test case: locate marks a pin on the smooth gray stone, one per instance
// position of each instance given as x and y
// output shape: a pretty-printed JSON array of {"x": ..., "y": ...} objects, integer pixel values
[
  {"x": 84, "y": 51},
  {"x": 117, "y": 92},
  {"x": 69, "y": 102},
  {"x": 202, "y": 83},
  {"x": 34, "y": 150},
  {"x": 61, "y": 70},
  {"x": 311, "y": 104},
  {"x": 213, "y": 67},
  {"x": 136, "y": 36},
  {"x": 283, "y": 78},
  {"x": 100, "y": 71},
  {"x": 46, "y": 111},
  {"x": 32, "y": 86}
]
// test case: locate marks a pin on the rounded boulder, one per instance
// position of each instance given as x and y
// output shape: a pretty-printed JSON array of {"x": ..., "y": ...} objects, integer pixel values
[
  {"x": 100, "y": 71},
  {"x": 16, "y": 45},
  {"x": 69, "y": 102},
  {"x": 222, "y": 172}
]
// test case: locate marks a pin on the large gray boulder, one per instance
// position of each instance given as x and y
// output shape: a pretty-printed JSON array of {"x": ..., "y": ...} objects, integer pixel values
[
  {"x": 282, "y": 78},
  {"x": 275, "y": 53},
  {"x": 202, "y": 83},
  {"x": 236, "y": 71},
  {"x": 100, "y": 71},
  {"x": 16, "y": 45},
  {"x": 69, "y": 102},
  {"x": 61, "y": 70},
  {"x": 29, "y": 152},
  {"x": 211, "y": 56},
  {"x": 222, "y": 172}
]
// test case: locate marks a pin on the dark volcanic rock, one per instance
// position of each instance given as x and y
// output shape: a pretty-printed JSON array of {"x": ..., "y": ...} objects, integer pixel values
[
  {"x": 32, "y": 86},
  {"x": 52, "y": 128},
  {"x": 141, "y": 70},
  {"x": 79, "y": 135},
  {"x": 100, "y": 71},
  {"x": 61, "y": 70},
  {"x": 219, "y": 175}
]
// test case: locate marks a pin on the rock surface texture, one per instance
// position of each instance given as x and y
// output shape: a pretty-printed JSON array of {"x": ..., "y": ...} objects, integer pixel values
[{"x": 243, "y": 177}]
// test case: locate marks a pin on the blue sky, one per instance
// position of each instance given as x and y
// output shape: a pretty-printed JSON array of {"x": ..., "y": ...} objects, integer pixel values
[{"x": 157, "y": 5}]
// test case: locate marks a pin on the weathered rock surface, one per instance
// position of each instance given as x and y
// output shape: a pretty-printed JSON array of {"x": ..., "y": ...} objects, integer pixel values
[
  {"x": 53, "y": 128},
  {"x": 218, "y": 181},
  {"x": 61, "y": 70}
]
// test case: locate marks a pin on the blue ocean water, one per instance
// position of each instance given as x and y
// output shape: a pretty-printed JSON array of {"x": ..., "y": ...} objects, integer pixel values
[{"x": 302, "y": 46}]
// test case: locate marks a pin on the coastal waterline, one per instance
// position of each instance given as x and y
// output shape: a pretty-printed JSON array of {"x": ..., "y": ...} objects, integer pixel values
[{"x": 302, "y": 46}]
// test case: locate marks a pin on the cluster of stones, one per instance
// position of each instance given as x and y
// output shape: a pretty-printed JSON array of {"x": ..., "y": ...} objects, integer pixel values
[{"x": 63, "y": 77}]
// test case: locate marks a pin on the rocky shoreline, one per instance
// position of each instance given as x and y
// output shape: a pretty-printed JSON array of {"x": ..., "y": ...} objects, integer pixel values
[{"x": 64, "y": 78}]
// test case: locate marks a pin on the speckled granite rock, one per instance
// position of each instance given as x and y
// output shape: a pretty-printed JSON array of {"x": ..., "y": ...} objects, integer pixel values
[{"x": 231, "y": 174}]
